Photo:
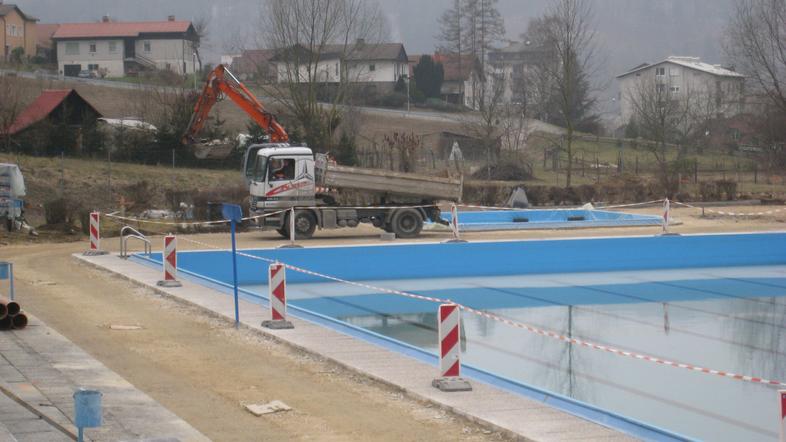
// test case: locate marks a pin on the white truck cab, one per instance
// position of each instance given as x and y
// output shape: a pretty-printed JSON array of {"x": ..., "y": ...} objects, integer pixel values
[{"x": 280, "y": 176}]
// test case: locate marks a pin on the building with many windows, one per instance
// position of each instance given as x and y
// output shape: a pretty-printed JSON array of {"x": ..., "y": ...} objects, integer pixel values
[
  {"x": 686, "y": 75},
  {"x": 18, "y": 31},
  {"x": 118, "y": 49}
]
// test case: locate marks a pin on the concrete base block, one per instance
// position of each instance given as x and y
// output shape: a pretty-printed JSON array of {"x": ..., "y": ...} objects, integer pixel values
[
  {"x": 94, "y": 253},
  {"x": 454, "y": 241},
  {"x": 388, "y": 236},
  {"x": 669, "y": 234},
  {"x": 451, "y": 384},
  {"x": 277, "y": 325},
  {"x": 290, "y": 246},
  {"x": 169, "y": 284}
]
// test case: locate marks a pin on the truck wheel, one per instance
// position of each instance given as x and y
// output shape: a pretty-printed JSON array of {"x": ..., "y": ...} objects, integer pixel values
[
  {"x": 283, "y": 232},
  {"x": 305, "y": 225},
  {"x": 407, "y": 223}
]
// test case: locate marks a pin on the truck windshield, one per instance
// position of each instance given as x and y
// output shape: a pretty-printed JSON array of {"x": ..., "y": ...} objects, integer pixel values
[{"x": 260, "y": 168}]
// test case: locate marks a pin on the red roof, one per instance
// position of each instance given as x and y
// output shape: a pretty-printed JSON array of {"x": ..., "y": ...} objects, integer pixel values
[
  {"x": 120, "y": 29},
  {"x": 44, "y": 34},
  {"x": 47, "y": 102}
]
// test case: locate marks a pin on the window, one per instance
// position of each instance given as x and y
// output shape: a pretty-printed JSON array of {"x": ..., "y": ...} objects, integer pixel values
[
  {"x": 112, "y": 47},
  {"x": 72, "y": 48},
  {"x": 147, "y": 46},
  {"x": 93, "y": 48},
  {"x": 372, "y": 67},
  {"x": 674, "y": 72},
  {"x": 281, "y": 169},
  {"x": 336, "y": 69},
  {"x": 659, "y": 72},
  {"x": 660, "y": 87},
  {"x": 12, "y": 32},
  {"x": 675, "y": 89}
]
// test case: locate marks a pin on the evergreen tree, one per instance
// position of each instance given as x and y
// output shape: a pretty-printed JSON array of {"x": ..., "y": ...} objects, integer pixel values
[{"x": 429, "y": 76}]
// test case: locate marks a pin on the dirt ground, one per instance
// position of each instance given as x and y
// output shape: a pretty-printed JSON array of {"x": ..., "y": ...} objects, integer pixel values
[{"x": 203, "y": 370}]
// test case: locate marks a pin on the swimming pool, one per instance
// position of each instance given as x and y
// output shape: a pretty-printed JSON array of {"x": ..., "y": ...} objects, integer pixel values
[
  {"x": 713, "y": 300},
  {"x": 549, "y": 219}
]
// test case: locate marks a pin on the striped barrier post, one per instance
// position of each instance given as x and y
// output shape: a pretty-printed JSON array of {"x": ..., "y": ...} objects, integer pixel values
[
  {"x": 449, "y": 317},
  {"x": 782, "y": 406},
  {"x": 169, "y": 259},
  {"x": 277, "y": 290},
  {"x": 666, "y": 215},
  {"x": 454, "y": 226},
  {"x": 95, "y": 235}
]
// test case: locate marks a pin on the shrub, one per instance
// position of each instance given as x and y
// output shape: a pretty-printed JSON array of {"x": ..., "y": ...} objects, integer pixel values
[
  {"x": 61, "y": 211},
  {"x": 139, "y": 194},
  {"x": 727, "y": 188}
]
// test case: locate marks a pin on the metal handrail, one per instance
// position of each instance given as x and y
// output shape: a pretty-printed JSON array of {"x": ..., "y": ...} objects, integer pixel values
[{"x": 136, "y": 235}]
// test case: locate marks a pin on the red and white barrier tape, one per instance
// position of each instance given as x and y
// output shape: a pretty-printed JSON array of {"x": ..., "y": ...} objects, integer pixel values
[
  {"x": 520, "y": 325},
  {"x": 192, "y": 223},
  {"x": 721, "y": 212}
]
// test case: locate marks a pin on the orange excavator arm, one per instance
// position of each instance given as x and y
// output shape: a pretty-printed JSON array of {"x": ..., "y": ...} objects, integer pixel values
[{"x": 221, "y": 81}]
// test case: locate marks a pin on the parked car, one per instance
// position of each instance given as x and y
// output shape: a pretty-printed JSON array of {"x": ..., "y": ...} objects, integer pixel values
[{"x": 87, "y": 74}]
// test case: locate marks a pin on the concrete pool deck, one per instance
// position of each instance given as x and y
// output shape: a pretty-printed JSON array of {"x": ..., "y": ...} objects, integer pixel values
[
  {"x": 516, "y": 415},
  {"x": 43, "y": 369}
]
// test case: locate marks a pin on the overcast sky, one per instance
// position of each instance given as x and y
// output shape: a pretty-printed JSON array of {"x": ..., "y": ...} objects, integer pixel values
[{"x": 629, "y": 31}]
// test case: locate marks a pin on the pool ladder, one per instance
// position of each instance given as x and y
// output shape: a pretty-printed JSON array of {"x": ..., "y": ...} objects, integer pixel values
[{"x": 135, "y": 234}]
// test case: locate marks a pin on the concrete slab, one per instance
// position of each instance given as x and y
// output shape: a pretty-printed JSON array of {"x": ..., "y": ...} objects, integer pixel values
[
  {"x": 44, "y": 369},
  {"x": 504, "y": 411}
]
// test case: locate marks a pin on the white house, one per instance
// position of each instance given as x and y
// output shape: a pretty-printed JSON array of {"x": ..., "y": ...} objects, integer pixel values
[
  {"x": 684, "y": 75},
  {"x": 117, "y": 49},
  {"x": 375, "y": 66}
]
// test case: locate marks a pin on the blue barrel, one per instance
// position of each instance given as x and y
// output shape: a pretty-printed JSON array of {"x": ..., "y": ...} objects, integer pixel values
[
  {"x": 87, "y": 408},
  {"x": 4, "y": 266}
]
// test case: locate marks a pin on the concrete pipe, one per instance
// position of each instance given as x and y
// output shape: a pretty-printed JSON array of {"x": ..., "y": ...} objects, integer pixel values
[
  {"x": 3, "y": 311},
  {"x": 11, "y": 307},
  {"x": 5, "y": 323},
  {"x": 19, "y": 321}
]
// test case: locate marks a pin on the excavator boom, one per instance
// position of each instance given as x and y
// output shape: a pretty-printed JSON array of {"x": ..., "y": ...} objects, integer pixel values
[{"x": 222, "y": 82}]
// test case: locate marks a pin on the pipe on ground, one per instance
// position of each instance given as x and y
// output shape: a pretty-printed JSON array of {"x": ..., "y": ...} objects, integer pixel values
[
  {"x": 12, "y": 307},
  {"x": 19, "y": 321},
  {"x": 3, "y": 311},
  {"x": 6, "y": 323}
]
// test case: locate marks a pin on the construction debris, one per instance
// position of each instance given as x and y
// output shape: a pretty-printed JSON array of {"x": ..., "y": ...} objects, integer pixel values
[{"x": 269, "y": 408}]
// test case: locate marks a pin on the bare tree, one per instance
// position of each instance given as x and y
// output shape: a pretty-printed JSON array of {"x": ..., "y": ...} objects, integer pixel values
[
  {"x": 201, "y": 29},
  {"x": 672, "y": 120},
  {"x": 315, "y": 40},
  {"x": 13, "y": 95},
  {"x": 564, "y": 74},
  {"x": 757, "y": 42}
]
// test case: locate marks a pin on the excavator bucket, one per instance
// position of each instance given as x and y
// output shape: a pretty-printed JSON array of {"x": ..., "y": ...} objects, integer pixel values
[{"x": 213, "y": 149}]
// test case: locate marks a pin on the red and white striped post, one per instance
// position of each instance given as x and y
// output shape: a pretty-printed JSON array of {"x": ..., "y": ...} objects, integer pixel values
[
  {"x": 169, "y": 259},
  {"x": 95, "y": 235},
  {"x": 277, "y": 289},
  {"x": 782, "y": 406},
  {"x": 666, "y": 215},
  {"x": 454, "y": 225},
  {"x": 449, "y": 317}
]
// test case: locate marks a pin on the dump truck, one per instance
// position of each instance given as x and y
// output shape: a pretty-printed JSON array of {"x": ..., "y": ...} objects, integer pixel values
[{"x": 282, "y": 176}]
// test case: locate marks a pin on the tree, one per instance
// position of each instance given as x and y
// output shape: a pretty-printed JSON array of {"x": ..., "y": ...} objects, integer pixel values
[
  {"x": 201, "y": 29},
  {"x": 562, "y": 80},
  {"x": 672, "y": 121},
  {"x": 485, "y": 27},
  {"x": 17, "y": 54},
  {"x": 304, "y": 33},
  {"x": 451, "y": 23},
  {"x": 13, "y": 93},
  {"x": 429, "y": 76},
  {"x": 757, "y": 42}
]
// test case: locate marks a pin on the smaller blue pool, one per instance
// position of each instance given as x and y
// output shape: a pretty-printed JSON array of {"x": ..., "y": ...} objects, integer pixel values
[{"x": 549, "y": 219}]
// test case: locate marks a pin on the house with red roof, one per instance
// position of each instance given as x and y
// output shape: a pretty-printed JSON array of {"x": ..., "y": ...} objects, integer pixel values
[
  {"x": 17, "y": 30},
  {"x": 56, "y": 106},
  {"x": 117, "y": 49}
]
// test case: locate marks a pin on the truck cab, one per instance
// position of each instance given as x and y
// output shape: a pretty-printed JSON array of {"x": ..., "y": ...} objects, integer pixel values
[{"x": 280, "y": 176}]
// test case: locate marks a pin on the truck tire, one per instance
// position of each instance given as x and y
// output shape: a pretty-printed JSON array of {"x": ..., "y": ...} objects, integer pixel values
[
  {"x": 283, "y": 232},
  {"x": 305, "y": 225},
  {"x": 406, "y": 223}
]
